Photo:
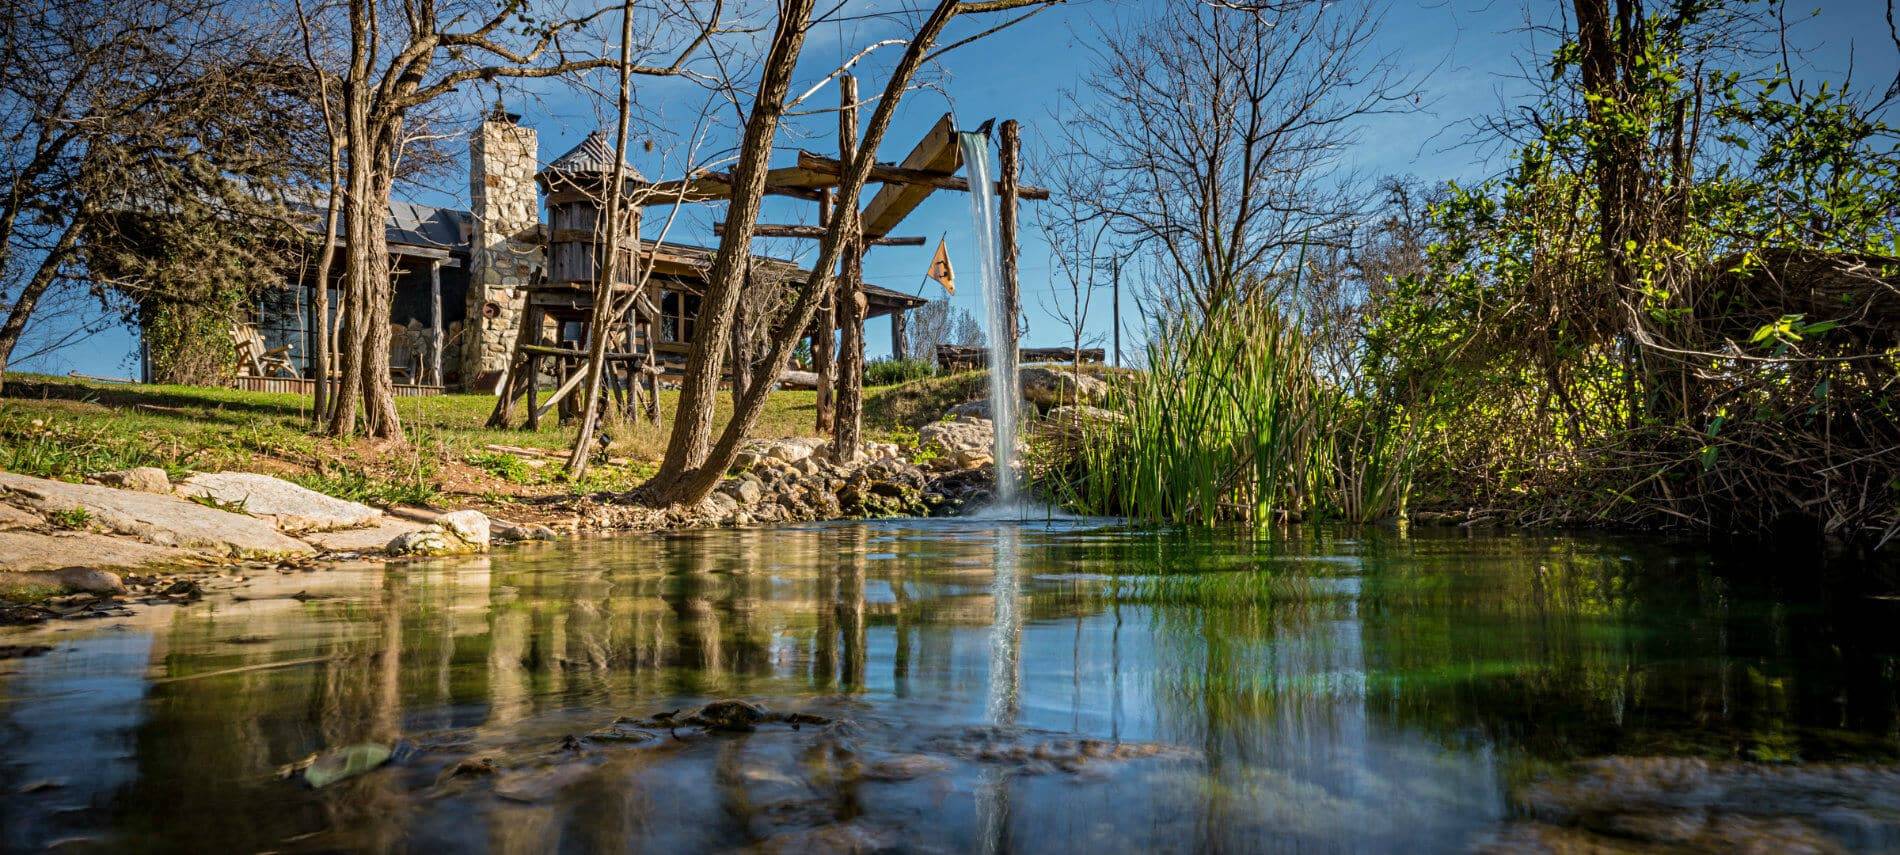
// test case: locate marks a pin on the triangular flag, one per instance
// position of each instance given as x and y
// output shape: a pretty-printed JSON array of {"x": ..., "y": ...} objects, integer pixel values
[{"x": 940, "y": 269}]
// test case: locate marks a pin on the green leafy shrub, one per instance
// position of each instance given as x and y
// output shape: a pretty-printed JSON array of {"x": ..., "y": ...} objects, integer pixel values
[{"x": 890, "y": 372}]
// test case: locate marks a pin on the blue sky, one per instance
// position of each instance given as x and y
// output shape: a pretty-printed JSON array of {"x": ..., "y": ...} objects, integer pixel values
[{"x": 1465, "y": 55}]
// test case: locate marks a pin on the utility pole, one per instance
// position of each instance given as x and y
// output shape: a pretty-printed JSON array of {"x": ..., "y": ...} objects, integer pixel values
[{"x": 1115, "y": 307}]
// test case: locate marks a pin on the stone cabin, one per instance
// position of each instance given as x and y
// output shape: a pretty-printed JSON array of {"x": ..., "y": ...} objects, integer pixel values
[{"x": 459, "y": 275}]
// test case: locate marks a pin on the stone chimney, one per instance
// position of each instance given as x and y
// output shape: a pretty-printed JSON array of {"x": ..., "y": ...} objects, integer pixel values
[{"x": 506, "y": 253}]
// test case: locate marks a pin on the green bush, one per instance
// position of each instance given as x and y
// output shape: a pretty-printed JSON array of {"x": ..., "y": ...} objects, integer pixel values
[{"x": 890, "y": 372}]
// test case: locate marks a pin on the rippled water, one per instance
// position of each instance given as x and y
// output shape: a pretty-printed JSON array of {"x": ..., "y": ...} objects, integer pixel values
[{"x": 1107, "y": 690}]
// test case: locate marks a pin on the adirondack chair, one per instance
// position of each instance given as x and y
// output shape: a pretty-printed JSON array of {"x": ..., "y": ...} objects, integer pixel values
[{"x": 256, "y": 360}]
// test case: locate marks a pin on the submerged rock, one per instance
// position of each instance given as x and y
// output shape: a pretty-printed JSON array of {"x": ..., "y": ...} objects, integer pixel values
[
  {"x": 732, "y": 716},
  {"x": 322, "y": 770},
  {"x": 1700, "y": 805}
]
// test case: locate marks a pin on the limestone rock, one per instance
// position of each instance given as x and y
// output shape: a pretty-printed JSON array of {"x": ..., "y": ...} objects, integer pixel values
[
  {"x": 791, "y": 450},
  {"x": 1052, "y": 385},
  {"x": 12, "y": 518},
  {"x": 746, "y": 490},
  {"x": 375, "y": 538},
  {"x": 70, "y": 580},
  {"x": 292, "y": 508},
  {"x": 33, "y": 552},
  {"x": 456, "y": 533},
  {"x": 964, "y": 434},
  {"x": 427, "y": 541},
  {"x": 504, "y": 530},
  {"x": 469, "y": 526},
  {"x": 161, "y": 520},
  {"x": 978, "y": 409},
  {"x": 145, "y": 479}
]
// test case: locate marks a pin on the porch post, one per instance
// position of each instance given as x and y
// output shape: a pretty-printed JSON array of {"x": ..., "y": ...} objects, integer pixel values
[
  {"x": 435, "y": 321},
  {"x": 900, "y": 349}
]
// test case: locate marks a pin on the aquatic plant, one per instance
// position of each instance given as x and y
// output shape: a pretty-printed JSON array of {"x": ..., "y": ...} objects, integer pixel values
[{"x": 1232, "y": 421}]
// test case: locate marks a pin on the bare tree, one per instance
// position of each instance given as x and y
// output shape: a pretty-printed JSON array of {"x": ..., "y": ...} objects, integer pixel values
[
  {"x": 403, "y": 57},
  {"x": 1216, "y": 133},
  {"x": 1082, "y": 242},
  {"x": 693, "y": 463}
]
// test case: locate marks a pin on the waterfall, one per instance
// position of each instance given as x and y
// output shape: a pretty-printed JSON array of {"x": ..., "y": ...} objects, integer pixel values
[{"x": 1003, "y": 388}]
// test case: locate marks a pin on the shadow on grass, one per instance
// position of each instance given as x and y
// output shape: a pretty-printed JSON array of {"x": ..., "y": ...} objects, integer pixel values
[{"x": 133, "y": 395}]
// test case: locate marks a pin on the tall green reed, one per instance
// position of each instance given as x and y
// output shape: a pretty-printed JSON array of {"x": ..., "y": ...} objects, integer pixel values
[{"x": 1231, "y": 421}]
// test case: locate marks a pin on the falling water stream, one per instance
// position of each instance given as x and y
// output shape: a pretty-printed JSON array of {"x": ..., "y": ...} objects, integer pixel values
[{"x": 1003, "y": 389}]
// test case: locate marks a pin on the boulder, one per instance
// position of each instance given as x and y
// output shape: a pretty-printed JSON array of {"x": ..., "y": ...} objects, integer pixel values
[
  {"x": 145, "y": 479},
  {"x": 504, "y": 530},
  {"x": 161, "y": 520},
  {"x": 952, "y": 437},
  {"x": 455, "y": 533},
  {"x": 469, "y": 526},
  {"x": 424, "y": 542},
  {"x": 979, "y": 409},
  {"x": 745, "y": 490},
  {"x": 1051, "y": 385},
  {"x": 1085, "y": 414},
  {"x": 290, "y": 507}
]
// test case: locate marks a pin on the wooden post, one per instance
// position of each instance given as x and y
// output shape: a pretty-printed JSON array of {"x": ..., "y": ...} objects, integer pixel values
[
  {"x": 531, "y": 327},
  {"x": 1010, "y": 155},
  {"x": 1116, "y": 310},
  {"x": 849, "y": 295},
  {"x": 821, "y": 340},
  {"x": 900, "y": 349},
  {"x": 435, "y": 322}
]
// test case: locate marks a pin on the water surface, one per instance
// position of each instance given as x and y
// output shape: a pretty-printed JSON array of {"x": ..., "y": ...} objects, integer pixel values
[{"x": 1331, "y": 692}]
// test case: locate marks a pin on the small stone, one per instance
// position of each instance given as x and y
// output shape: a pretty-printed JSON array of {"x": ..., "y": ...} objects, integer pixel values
[
  {"x": 145, "y": 479},
  {"x": 747, "y": 490}
]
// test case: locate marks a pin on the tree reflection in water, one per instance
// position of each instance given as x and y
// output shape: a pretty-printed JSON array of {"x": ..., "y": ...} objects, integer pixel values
[{"x": 1328, "y": 691}]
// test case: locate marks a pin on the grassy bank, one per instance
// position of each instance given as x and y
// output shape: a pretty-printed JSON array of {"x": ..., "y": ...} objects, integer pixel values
[{"x": 65, "y": 428}]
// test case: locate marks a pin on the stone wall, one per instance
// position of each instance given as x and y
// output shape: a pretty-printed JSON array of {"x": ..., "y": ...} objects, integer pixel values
[{"x": 504, "y": 255}]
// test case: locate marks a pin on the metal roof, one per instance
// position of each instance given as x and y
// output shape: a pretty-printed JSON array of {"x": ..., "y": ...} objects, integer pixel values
[
  {"x": 594, "y": 154},
  {"x": 426, "y": 225}
]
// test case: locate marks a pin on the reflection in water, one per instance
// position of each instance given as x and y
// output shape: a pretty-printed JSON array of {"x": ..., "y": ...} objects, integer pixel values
[
  {"x": 1006, "y": 639},
  {"x": 1320, "y": 694}
]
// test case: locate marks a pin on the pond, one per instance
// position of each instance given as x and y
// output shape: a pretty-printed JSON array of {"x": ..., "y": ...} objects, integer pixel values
[{"x": 977, "y": 685}]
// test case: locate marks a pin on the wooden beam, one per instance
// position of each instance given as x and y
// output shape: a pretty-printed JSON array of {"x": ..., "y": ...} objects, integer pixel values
[
  {"x": 888, "y": 174},
  {"x": 936, "y": 152},
  {"x": 816, "y": 232},
  {"x": 785, "y": 181}
]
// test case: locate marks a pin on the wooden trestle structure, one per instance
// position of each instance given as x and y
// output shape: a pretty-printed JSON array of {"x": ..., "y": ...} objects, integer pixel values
[{"x": 563, "y": 297}]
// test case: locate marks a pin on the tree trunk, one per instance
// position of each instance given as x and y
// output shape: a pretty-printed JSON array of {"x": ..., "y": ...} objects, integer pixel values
[
  {"x": 688, "y": 443},
  {"x": 849, "y": 296},
  {"x": 320, "y": 360},
  {"x": 824, "y": 351},
  {"x": 600, "y": 326},
  {"x": 29, "y": 299}
]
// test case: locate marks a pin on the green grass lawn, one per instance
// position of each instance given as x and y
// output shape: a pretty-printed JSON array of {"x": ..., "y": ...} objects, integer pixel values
[{"x": 65, "y": 428}]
